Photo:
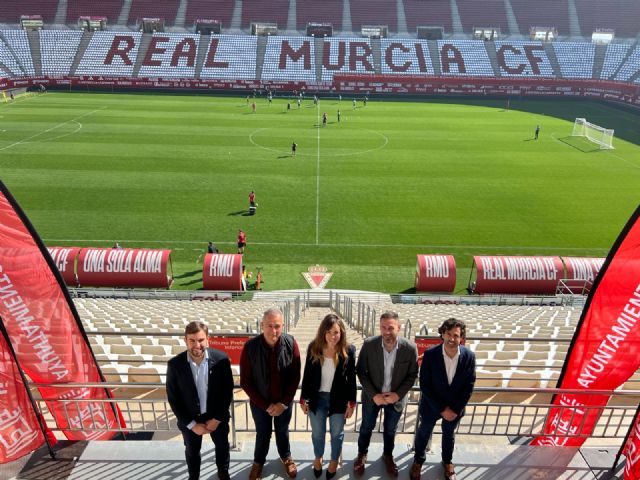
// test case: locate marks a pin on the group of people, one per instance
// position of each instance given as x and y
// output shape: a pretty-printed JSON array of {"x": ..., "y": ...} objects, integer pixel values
[{"x": 200, "y": 391}]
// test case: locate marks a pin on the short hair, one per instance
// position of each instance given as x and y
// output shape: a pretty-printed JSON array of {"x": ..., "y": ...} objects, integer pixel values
[
  {"x": 195, "y": 327},
  {"x": 270, "y": 312},
  {"x": 390, "y": 315},
  {"x": 451, "y": 323}
]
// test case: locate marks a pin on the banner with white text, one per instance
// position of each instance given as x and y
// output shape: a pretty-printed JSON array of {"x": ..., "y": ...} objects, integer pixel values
[
  {"x": 45, "y": 328},
  {"x": 20, "y": 432},
  {"x": 631, "y": 450},
  {"x": 517, "y": 275},
  {"x": 436, "y": 273},
  {"x": 65, "y": 260},
  {"x": 604, "y": 350},
  {"x": 222, "y": 271},
  {"x": 124, "y": 267}
]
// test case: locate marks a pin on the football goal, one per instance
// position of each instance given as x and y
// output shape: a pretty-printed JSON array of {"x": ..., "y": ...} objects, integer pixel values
[{"x": 603, "y": 137}]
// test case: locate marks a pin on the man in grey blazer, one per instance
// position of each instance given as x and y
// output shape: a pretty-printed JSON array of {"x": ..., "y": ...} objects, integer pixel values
[{"x": 387, "y": 368}]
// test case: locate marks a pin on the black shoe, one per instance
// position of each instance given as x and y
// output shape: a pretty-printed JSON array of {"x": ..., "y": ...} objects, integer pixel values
[
  {"x": 330, "y": 475},
  {"x": 317, "y": 473},
  {"x": 223, "y": 475}
]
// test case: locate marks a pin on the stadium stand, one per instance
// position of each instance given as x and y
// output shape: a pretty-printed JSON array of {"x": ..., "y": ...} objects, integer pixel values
[
  {"x": 575, "y": 58},
  {"x": 308, "y": 11},
  {"x": 17, "y": 42},
  {"x": 212, "y": 9},
  {"x": 275, "y": 11},
  {"x": 166, "y": 10},
  {"x": 614, "y": 56},
  {"x": 630, "y": 66},
  {"x": 403, "y": 57},
  {"x": 472, "y": 54},
  {"x": 175, "y": 56},
  {"x": 373, "y": 12},
  {"x": 514, "y": 55},
  {"x": 293, "y": 67},
  {"x": 542, "y": 13},
  {"x": 105, "y": 8},
  {"x": 432, "y": 13},
  {"x": 96, "y": 60},
  {"x": 486, "y": 14},
  {"x": 619, "y": 15},
  {"x": 235, "y": 57},
  {"x": 8, "y": 59},
  {"x": 344, "y": 55},
  {"x": 58, "y": 50}
]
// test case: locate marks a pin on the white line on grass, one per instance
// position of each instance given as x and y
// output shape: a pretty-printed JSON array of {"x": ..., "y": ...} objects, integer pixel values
[
  {"x": 606, "y": 151},
  {"x": 340, "y": 245},
  {"x": 318, "y": 177},
  {"x": 26, "y": 140}
]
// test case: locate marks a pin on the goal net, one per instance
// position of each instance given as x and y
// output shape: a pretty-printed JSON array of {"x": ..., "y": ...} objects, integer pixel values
[{"x": 603, "y": 137}]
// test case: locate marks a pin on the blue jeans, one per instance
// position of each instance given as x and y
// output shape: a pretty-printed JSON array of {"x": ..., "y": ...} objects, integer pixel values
[
  {"x": 370, "y": 413},
  {"x": 265, "y": 424},
  {"x": 428, "y": 419},
  {"x": 318, "y": 422}
]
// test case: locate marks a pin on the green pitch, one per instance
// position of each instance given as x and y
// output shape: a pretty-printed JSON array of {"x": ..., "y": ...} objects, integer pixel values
[{"x": 361, "y": 197}]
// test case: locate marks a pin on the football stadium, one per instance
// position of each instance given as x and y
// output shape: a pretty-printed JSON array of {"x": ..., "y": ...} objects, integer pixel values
[{"x": 451, "y": 177}]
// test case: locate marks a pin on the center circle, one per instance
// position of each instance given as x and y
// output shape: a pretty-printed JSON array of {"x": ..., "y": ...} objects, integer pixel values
[{"x": 270, "y": 139}]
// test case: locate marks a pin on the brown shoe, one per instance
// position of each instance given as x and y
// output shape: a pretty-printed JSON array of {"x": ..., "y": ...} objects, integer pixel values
[
  {"x": 390, "y": 465},
  {"x": 449, "y": 471},
  {"x": 414, "y": 473},
  {"x": 290, "y": 467},
  {"x": 256, "y": 472},
  {"x": 358, "y": 464}
]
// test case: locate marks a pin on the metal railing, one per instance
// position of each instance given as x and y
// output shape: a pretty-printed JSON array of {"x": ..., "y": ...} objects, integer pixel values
[{"x": 482, "y": 418}]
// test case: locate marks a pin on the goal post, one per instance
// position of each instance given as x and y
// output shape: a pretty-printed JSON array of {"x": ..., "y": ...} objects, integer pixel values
[{"x": 603, "y": 137}]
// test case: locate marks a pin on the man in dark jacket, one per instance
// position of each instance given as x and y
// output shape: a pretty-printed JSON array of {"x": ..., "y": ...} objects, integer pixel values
[
  {"x": 447, "y": 377},
  {"x": 270, "y": 374},
  {"x": 200, "y": 390}
]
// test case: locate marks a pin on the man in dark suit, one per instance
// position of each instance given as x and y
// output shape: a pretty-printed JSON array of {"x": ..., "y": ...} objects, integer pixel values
[
  {"x": 200, "y": 390},
  {"x": 387, "y": 368},
  {"x": 447, "y": 377}
]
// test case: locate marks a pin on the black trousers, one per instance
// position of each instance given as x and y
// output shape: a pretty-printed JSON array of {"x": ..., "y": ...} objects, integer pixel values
[{"x": 193, "y": 444}]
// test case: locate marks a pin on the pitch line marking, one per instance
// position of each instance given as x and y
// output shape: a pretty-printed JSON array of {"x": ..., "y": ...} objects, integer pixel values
[
  {"x": 78, "y": 128},
  {"x": 284, "y": 152},
  {"x": 26, "y": 140},
  {"x": 606, "y": 151},
  {"x": 341, "y": 245},
  {"x": 318, "y": 176}
]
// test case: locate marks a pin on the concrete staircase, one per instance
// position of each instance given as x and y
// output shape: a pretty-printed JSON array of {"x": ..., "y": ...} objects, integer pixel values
[{"x": 307, "y": 327}]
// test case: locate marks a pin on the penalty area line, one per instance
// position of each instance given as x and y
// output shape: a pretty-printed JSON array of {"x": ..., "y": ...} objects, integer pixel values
[{"x": 26, "y": 140}]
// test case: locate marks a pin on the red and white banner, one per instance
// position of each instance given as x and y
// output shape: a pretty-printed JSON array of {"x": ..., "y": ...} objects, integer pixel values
[
  {"x": 65, "y": 260},
  {"x": 230, "y": 344},
  {"x": 517, "y": 275},
  {"x": 19, "y": 429},
  {"x": 43, "y": 324},
  {"x": 632, "y": 451},
  {"x": 222, "y": 271},
  {"x": 604, "y": 351},
  {"x": 436, "y": 273},
  {"x": 124, "y": 267}
]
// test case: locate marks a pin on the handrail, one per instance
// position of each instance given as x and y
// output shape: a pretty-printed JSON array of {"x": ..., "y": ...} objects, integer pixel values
[{"x": 517, "y": 419}]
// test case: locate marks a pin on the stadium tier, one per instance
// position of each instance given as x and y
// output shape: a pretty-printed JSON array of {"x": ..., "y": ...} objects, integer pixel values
[
  {"x": 512, "y": 17},
  {"x": 301, "y": 58}
]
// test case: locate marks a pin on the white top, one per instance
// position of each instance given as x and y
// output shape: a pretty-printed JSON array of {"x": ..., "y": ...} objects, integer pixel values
[
  {"x": 450, "y": 364},
  {"x": 389, "y": 362},
  {"x": 328, "y": 372},
  {"x": 201, "y": 378}
]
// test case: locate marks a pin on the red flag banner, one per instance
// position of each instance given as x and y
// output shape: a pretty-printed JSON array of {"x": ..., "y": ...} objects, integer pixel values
[
  {"x": 632, "y": 451},
  {"x": 19, "y": 429},
  {"x": 45, "y": 328},
  {"x": 604, "y": 350}
]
